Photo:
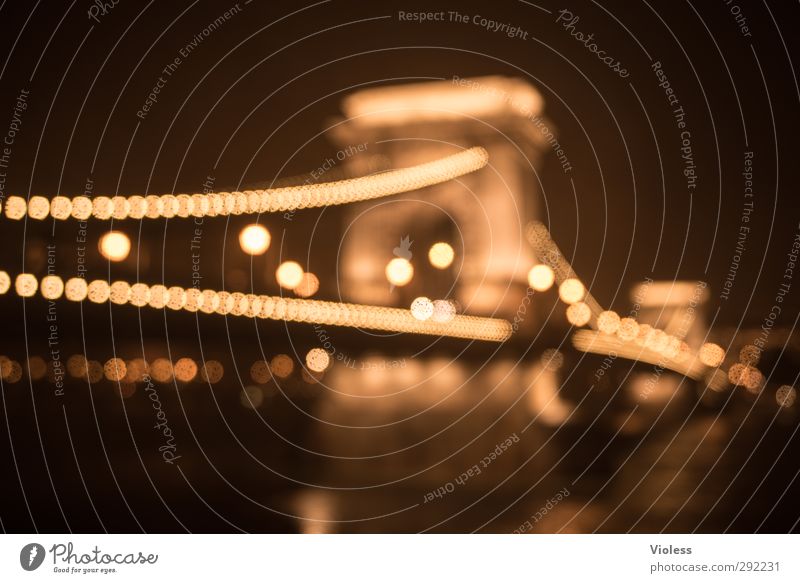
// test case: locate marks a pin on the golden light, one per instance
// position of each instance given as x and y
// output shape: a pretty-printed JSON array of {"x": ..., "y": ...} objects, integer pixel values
[
  {"x": 579, "y": 314},
  {"x": 120, "y": 292},
  {"x": 158, "y": 296},
  {"x": 77, "y": 366},
  {"x": 260, "y": 372},
  {"x": 26, "y": 285},
  {"x": 289, "y": 274},
  {"x": 176, "y": 297},
  {"x": 16, "y": 207},
  {"x": 5, "y": 282},
  {"x": 441, "y": 255},
  {"x": 39, "y": 208},
  {"x": 422, "y": 308},
  {"x": 194, "y": 298},
  {"x": 161, "y": 370},
  {"x": 309, "y": 285},
  {"x": 281, "y": 366},
  {"x": 571, "y": 291},
  {"x": 115, "y": 369},
  {"x": 443, "y": 311},
  {"x": 115, "y": 246},
  {"x": 608, "y": 322},
  {"x": 399, "y": 271},
  {"x": 140, "y": 294},
  {"x": 317, "y": 360},
  {"x": 185, "y": 370},
  {"x": 98, "y": 291},
  {"x": 254, "y": 239},
  {"x": 712, "y": 355},
  {"x": 628, "y": 329},
  {"x": 541, "y": 278},
  {"x": 52, "y": 287},
  {"x": 212, "y": 372}
]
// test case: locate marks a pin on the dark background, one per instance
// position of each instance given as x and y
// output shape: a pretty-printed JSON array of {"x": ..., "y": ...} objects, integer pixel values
[{"x": 249, "y": 105}]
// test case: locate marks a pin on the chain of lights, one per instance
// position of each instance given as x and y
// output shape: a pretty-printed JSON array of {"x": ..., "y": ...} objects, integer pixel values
[
  {"x": 626, "y": 337},
  {"x": 318, "y": 312},
  {"x": 249, "y": 201}
]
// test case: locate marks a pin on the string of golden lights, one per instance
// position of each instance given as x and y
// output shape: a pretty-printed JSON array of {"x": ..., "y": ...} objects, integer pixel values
[
  {"x": 249, "y": 201},
  {"x": 626, "y": 337},
  {"x": 208, "y": 301}
]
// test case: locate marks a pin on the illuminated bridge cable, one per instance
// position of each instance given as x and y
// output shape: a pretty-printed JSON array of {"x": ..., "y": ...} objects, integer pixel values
[
  {"x": 272, "y": 200},
  {"x": 318, "y": 312}
]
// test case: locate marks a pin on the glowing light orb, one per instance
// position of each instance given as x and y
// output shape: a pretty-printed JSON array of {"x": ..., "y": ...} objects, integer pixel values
[
  {"x": 176, "y": 298},
  {"x": 75, "y": 289},
  {"x": 52, "y": 287},
  {"x": 422, "y": 308},
  {"x": 628, "y": 329},
  {"x": 317, "y": 360},
  {"x": 161, "y": 370},
  {"x": 571, "y": 291},
  {"x": 289, "y": 274},
  {"x": 77, "y": 366},
  {"x": 212, "y": 372},
  {"x": 15, "y": 207},
  {"x": 281, "y": 366},
  {"x": 115, "y": 369},
  {"x": 158, "y": 296},
  {"x": 119, "y": 292},
  {"x": 185, "y": 370},
  {"x": 309, "y": 285},
  {"x": 115, "y": 246},
  {"x": 26, "y": 285},
  {"x": 608, "y": 322},
  {"x": 254, "y": 239},
  {"x": 541, "y": 277},
  {"x": 441, "y": 255},
  {"x": 443, "y": 311},
  {"x": 579, "y": 314},
  {"x": 399, "y": 271},
  {"x": 98, "y": 291},
  {"x": 712, "y": 355},
  {"x": 5, "y": 282},
  {"x": 260, "y": 372},
  {"x": 39, "y": 208}
]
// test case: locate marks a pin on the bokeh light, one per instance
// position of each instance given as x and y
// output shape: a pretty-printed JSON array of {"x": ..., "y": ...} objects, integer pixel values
[
  {"x": 309, "y": 285},
  {"x": 399, "y": 271},
  {"x": 541, "y": 277},
  {"x": 441, "y": 255},
  {"x": 317, "y": 360},
  {"x": 422, "y": 308},
  {"x": 608, "y": 322},
  {"x": 578, "y": 314},
  {"x": 289, "y": 274},
  {"x": 115, "y": 246},
  {"x": 712, "y": 355},
  {"x": 571, "y": 291},
  {"x": 254, "y": 239}
]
